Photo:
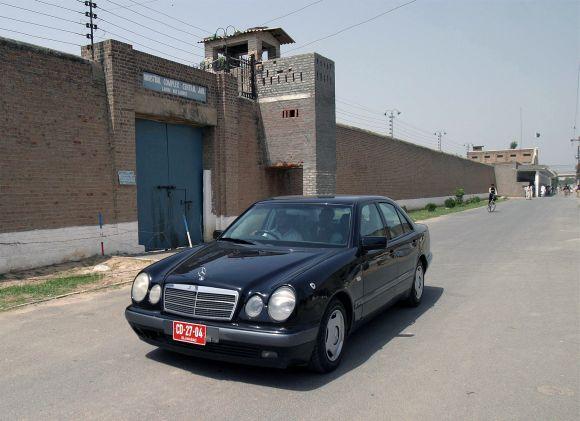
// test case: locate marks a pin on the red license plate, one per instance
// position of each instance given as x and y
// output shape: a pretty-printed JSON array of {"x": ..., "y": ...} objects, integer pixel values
[{"x": 192, "y": 333}]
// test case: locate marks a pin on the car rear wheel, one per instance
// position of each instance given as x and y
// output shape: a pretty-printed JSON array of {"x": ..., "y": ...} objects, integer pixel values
[
  {"x": 331, "y": 339},
  {"x": 416, "y": 292}
]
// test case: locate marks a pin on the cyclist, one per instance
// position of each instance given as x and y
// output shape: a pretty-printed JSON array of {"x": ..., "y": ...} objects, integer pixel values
[{"x": 492, "y": 193}]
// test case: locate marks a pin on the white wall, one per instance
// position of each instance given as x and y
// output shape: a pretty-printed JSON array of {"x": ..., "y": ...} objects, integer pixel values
[
  {"x": 412, "y": 204},
  {"x": 35, "y": 248},
  {"x": 30, "y": 249}
]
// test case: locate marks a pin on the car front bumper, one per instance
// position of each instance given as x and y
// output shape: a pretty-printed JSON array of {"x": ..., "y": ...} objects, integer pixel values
[{"x": 225, "y": 341}]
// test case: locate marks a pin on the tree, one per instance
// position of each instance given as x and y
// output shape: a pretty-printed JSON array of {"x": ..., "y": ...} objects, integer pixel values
[{"x": 513, "y": 145}]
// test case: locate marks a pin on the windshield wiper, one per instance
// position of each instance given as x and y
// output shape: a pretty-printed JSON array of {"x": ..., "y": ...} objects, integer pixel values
[{"x": 236, "y": 240}]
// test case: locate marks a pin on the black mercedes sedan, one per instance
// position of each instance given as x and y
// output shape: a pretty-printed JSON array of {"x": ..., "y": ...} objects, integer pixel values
[{"x": 285, "y": 283}]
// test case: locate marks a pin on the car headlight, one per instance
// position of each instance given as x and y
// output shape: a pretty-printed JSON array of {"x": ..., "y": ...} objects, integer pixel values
[
  {"x": 140, "y": 287},
  {"x": 155, "y": 294},
  {"x": 254, "y": 306},
  {"x": 281, "y": 304}
]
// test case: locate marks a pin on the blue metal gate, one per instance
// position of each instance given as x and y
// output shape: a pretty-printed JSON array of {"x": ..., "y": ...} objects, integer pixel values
[{"x": 169, "y": 184}]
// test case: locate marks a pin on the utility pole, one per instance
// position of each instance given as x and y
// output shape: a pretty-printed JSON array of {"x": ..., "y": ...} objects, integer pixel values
[
  {"x": 91, "y": 5},
  {"x": 467, "y": 146},
  {"x": 521, "y": 129},
  {"x": 439, "y": 135},
  {"x": 391, "y": 114},
  {"x": 577, "y": 158}
]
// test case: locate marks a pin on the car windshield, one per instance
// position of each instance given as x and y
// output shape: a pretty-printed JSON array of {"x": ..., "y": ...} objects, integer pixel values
[{"x": 301, "y": 224}]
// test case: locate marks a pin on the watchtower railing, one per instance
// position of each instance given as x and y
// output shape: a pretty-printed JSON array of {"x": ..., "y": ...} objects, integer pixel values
[{"x": 244, "y": 69}]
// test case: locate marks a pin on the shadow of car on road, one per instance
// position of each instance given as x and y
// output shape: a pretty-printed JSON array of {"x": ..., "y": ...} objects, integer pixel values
[{"x": 361, "y": 346}]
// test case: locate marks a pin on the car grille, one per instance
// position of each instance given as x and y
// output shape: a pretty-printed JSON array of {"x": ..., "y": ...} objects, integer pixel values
[{"x": 200, "y": 301}]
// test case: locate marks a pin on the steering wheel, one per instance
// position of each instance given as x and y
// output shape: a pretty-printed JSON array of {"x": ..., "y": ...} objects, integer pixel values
[{"x": 267, "y": 232}]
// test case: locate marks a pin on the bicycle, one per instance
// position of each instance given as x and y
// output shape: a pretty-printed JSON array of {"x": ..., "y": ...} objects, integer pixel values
[{"x": 491, "y": 205}]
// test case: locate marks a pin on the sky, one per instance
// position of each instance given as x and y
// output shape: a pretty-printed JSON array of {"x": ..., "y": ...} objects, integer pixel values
[{"x": 463, "y": 67}]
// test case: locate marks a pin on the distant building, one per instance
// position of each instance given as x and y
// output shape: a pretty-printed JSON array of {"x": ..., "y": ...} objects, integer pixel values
[
  {"x": 514, "y": 169},
  {"x": 520, "y": 156}
]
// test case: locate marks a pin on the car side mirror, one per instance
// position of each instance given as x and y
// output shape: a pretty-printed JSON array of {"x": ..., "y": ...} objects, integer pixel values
[
  {"x": 373, "y": 243},
  {"x": 216, "y": 234}
]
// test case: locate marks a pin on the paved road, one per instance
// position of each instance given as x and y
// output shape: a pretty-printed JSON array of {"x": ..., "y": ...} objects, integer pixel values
[{"x": 497, "y": 337}]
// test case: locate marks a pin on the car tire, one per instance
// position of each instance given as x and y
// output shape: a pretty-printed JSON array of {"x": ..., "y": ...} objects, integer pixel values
[
  {"x": 331, "y": 339},
  {"x": 418, "y": 286}
]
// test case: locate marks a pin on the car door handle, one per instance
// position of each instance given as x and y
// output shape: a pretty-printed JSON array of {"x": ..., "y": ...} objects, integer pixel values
[{"x": 392, "y": 253}]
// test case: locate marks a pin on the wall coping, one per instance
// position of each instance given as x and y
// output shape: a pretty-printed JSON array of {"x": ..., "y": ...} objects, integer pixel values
[
  {"x": 370, "y": 132},
  {"x": 19, "y": 45}
]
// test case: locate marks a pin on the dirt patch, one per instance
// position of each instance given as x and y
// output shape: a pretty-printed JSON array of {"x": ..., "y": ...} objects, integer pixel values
[
  {"x": 108, "y": 269},
  {"x": 57, "y": 281}
]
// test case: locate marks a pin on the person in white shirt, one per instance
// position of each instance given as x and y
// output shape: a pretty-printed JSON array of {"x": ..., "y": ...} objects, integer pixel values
[{"x": 284, "y": 230}]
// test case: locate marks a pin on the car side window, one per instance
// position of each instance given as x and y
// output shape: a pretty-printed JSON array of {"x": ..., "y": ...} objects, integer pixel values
[
  {"x": 371, "y": 224},
  {"x": 406, "y": 224},
  {"x": 392, "y": 218}
]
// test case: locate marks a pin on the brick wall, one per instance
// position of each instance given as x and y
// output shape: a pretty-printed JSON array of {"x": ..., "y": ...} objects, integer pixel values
[
  {"x": 55, "y": 150},
  {"x": 303, "y": 84},
  {"x": 368, "y": 163},
  {"x": 67, "y": 125}
]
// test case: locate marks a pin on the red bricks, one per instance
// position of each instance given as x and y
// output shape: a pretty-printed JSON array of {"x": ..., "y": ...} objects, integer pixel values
[
  {"x": 368, "y": 163},
  {"x": 55, "y": 165}
]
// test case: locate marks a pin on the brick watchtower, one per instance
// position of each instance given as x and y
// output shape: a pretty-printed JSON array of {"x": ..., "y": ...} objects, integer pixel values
[{"x": 296, "y": 104}]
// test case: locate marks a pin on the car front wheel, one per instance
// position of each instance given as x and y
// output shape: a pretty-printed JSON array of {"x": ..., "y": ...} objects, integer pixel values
[{"x": 331, "y": 339}]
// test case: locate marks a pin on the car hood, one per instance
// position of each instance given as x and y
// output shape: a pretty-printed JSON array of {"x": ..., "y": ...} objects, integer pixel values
[{"x": 242, "y": 267}]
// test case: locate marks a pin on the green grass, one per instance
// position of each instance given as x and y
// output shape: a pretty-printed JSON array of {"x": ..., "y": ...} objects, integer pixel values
[
  {"x": 422, "y": 214},
  {"x": 20, "y": 294}
]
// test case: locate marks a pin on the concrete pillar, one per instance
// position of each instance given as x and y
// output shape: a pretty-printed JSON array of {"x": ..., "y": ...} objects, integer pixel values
[{"x": 537, "y": 184}]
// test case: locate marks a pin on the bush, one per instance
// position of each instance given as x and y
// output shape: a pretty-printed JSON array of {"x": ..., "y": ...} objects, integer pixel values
[
  {"x": 476, "y": 199},
  {"x": 430, "y": 207},
  {"x": 450, "y": 203},
  {"x": 459, "y": 193}
]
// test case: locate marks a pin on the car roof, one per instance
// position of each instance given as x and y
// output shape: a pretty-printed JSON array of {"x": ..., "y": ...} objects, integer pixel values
[{"x": 335, "y": 199}]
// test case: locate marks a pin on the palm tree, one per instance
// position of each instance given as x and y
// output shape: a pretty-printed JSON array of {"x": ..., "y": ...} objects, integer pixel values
[{"x": 513, "y": 144}]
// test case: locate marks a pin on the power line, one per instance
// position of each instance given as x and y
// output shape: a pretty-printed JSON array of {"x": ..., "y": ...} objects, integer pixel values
[
  {"x": 39, "y": 13},
  {"x": 168, "y": 16},
  {"x": 150, "y": 18},
  {"x": 45, "y": 38},
  {"x": 44, "y": 26},
  {"x": 410, "y": 128},
  {"x": 406, "y": 136},
  {"x": 143, "y": 36},
  {"x": 293, "y": 12},
  {"x": 148, "y": 27},
  {"x": 145, "y": 46},
  {"x": 364, "y": 117},
  {"x": 133, "y": 5},
  {"x": 353, "y": 26},
  {"x": 359, "y": 106},
  {"x": 59, "y": 6}
]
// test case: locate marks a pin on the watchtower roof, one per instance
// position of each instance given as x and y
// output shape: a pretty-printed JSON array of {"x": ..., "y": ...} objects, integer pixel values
[{"x": 278, "y": 33}]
